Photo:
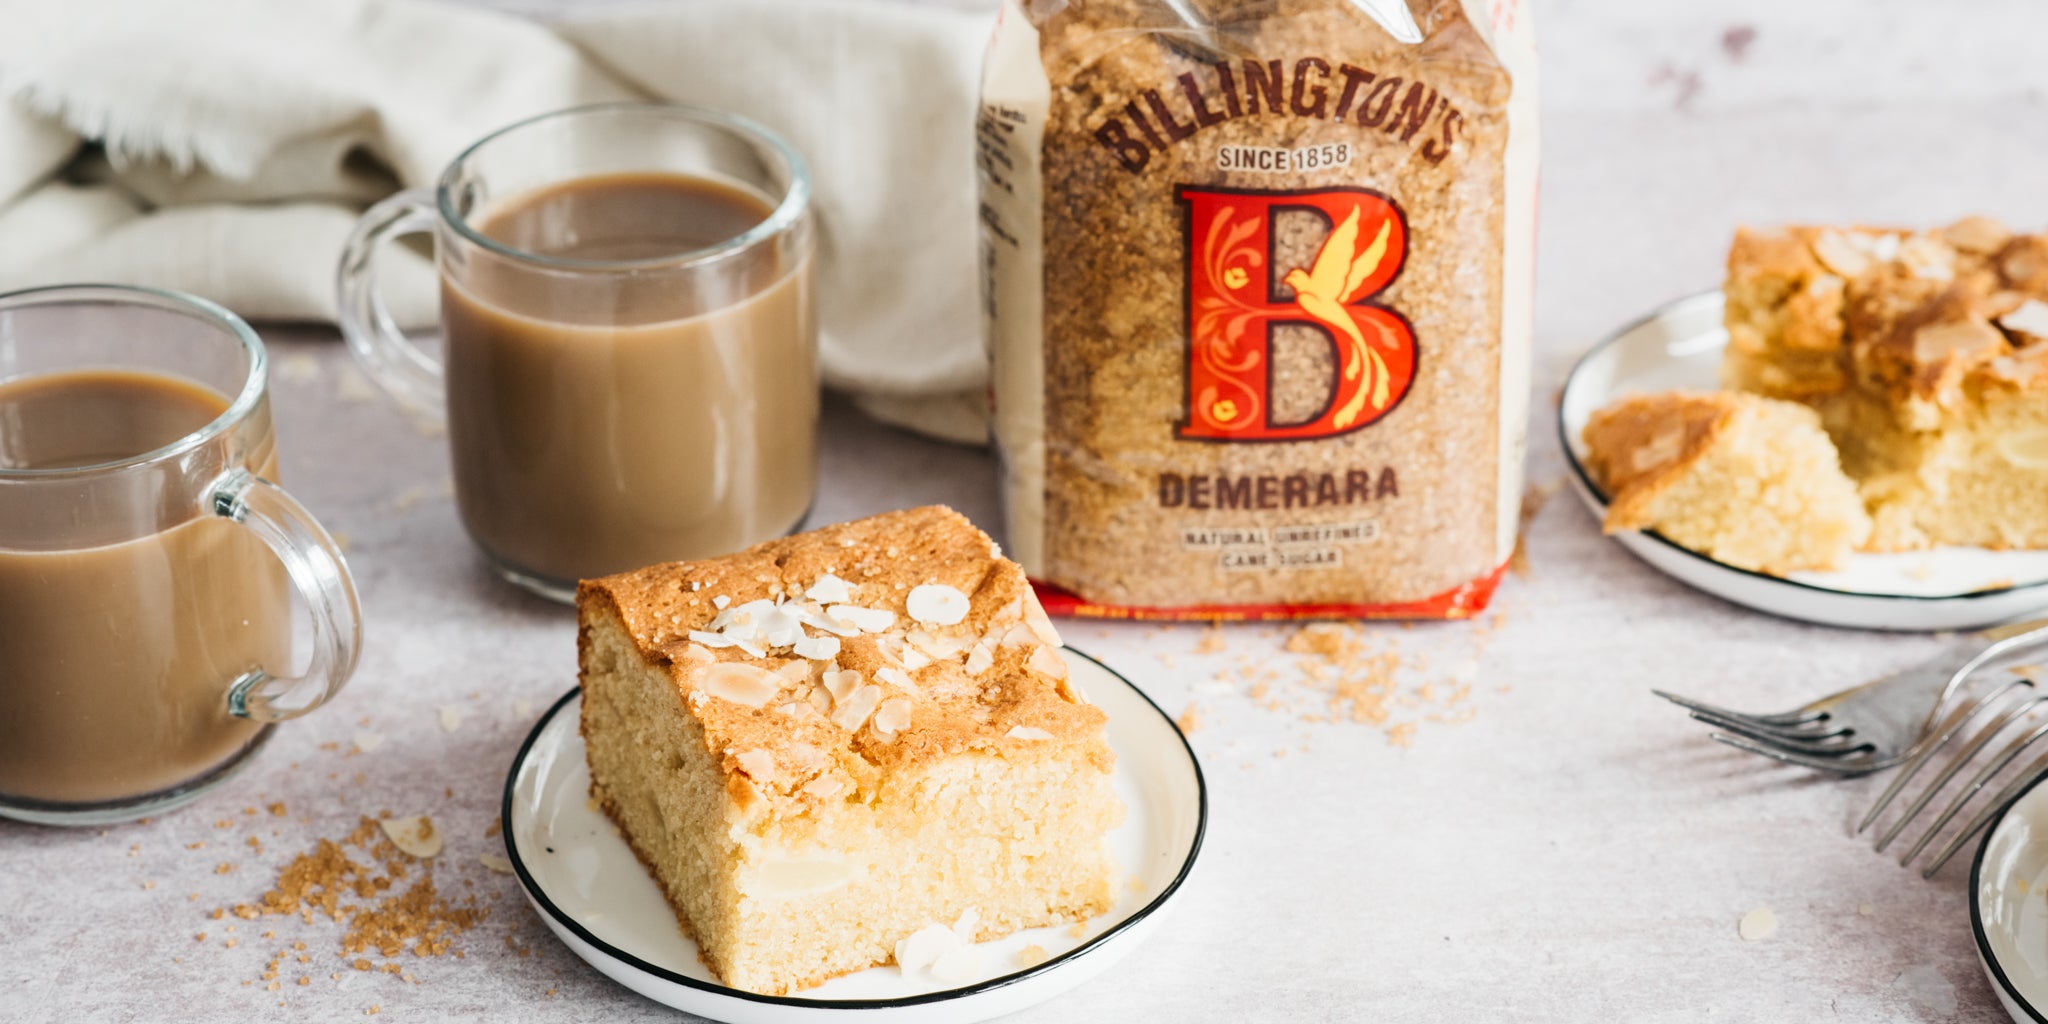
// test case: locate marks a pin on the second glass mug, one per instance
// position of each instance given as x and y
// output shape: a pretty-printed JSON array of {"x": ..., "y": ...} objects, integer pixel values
[
  {"x": 604, "y": 414},
  {"x": 145, "y": 608}
]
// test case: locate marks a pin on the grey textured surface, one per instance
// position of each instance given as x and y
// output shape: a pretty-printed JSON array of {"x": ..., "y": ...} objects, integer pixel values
[{"x": 1576, "y": 851}]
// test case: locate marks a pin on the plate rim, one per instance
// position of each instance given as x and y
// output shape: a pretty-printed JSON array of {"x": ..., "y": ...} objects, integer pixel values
[
  {"x": 1984, "y": 952},
  {"x": 541, "y": 900},
  {"x": 1585, "y": 480}
]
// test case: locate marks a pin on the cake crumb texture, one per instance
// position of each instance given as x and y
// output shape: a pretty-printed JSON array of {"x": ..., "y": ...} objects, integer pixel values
[
  {"x": 1925, "y": 353},
  {"x": 1750, "y": 481}
]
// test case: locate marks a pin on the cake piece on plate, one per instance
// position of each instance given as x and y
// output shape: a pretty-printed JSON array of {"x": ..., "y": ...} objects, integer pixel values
[
  {"x": 824, "y": 744},
  {"x": 1926, "y": 355},
  {"x": 1749, "y": 481}
]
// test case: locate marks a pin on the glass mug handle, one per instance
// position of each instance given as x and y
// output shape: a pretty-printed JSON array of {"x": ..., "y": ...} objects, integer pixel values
[
  {"x": 314, "y": 563},
  {"x": 383, "y": 351}
]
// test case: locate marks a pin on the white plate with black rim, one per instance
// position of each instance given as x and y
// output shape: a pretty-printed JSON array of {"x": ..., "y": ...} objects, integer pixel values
[
  {"x": 597, "y": 898},
  {"x": 1679, "y": 346},
  {"x": 2008, "y": 914}
]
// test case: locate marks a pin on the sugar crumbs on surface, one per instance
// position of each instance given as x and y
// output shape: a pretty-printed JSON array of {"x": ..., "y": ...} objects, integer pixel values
[
  {"x": 1336, "y": 674},
  {"x": 383, "y": 899},
  {"x": 1534, "y": 497}
]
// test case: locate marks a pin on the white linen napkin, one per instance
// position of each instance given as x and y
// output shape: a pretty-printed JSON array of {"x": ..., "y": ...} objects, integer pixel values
[{"x": 237, "y": 140}]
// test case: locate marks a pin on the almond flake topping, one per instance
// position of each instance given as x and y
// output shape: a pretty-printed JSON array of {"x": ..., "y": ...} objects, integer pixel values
[
  {"x": 415, "y": 835},
  {"x": 936, "y": 604},
  {"x": 2030, "y": 318},
  {"x": 949, "y": 953},
  {"x": 825, "y": 787},
  {"x": 980, "y": 659},
  {"x": 1027, "y": 732},
  {"x": 1048, "y": 661},
  {"x": 830, "y": 589},
  {"x": 867, "y": 620},
  {"x": 892, "y": 717},
  {"x": 938, "y": 647},
  {"x": 720, "y": 601},
  {"x": 896, "y": 677},
  {"x": 841, "y": 684},
  {"x": 741, "y": 684},
  {"x": 758, "y": 764},
  {"x": 851, "y": 713},
  {"x": 1847, "y": 255},
  {"x": 817, "y": 648},
  {"x": 1040, "y": 623},
  {"x": 924, "y": 947}
]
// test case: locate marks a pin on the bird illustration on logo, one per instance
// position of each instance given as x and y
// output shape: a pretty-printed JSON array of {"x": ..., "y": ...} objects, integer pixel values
[
  {"x": 1239, "y": 293},
  {"x": 1322, "y": 291}
]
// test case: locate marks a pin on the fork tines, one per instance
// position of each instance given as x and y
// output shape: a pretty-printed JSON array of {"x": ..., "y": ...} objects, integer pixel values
[{"x": 1979, "y": 730}]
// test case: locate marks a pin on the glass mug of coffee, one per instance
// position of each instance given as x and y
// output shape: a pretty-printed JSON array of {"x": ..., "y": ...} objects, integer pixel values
[
  {"x": 629, "y": 371},
  {"x": 147, "y": 563}
]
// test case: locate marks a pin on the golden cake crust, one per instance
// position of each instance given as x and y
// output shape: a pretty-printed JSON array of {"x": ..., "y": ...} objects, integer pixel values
[
  {"x": 1917, "y": 317},
  {"x": 993, "y": 680},
  {"x": 1642, "y": 444}
]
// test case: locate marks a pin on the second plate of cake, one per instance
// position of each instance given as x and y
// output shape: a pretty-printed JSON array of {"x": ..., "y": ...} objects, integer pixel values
[
  {"x": 597, "y": 898},
  {"x": 1680, "y": 346}
]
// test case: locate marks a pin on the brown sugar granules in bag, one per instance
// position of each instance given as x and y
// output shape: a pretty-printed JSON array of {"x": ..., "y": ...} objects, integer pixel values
[{"x": 1258, "y": 281}]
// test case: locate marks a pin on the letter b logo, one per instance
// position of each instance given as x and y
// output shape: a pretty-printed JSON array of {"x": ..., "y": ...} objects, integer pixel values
[{"x": 1232, "y": 311}]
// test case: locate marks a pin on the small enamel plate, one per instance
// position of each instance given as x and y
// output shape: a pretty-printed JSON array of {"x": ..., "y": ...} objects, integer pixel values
[
  {"x": 2007, "y": 912},
  {"x": 583, "y": 879},
  {"x": 1679, "y": 346}
]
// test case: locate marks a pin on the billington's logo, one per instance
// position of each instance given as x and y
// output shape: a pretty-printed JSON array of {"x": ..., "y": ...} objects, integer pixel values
[{"x": 1232, "y": 310}]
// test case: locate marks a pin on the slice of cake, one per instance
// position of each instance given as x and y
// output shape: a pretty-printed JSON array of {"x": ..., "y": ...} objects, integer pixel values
[
  {"x": 1926, "y": 355},
  {"x": 824, "y": 744},
  {"x": 1752, "y": 482}
]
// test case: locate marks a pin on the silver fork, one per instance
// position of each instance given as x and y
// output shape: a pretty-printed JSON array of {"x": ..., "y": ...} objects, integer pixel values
[
  {"x": 1992, "y": 714},
  {"x": 1870, "y": 727}
]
